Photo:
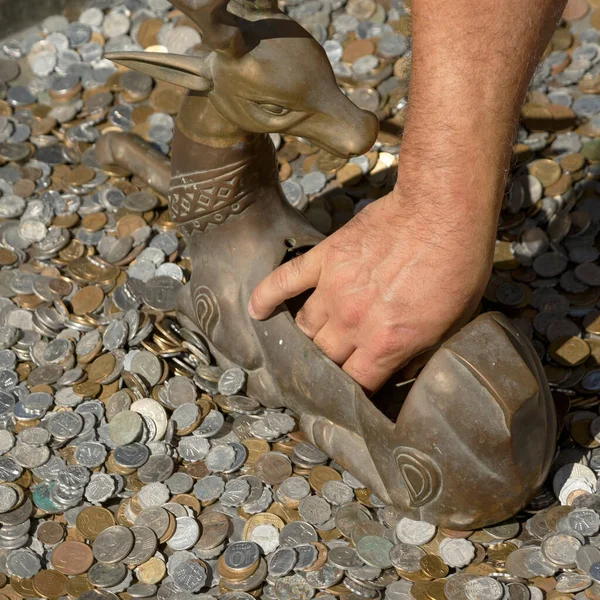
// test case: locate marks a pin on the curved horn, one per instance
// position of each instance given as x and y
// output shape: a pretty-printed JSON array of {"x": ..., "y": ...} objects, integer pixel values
[{"x": 214, "y": 22}]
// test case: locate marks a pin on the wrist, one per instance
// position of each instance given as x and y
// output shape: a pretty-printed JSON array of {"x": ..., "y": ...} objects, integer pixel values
[{"x": 450, "y": 176}]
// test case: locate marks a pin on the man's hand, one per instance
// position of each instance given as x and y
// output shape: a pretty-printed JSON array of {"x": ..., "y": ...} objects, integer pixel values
[
  {"x": 388, "y": 285},
  {"x": 411, "y": 267}
]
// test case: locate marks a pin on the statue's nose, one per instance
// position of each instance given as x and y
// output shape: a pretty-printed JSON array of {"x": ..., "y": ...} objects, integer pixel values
[{"x": 344, "y": 129}]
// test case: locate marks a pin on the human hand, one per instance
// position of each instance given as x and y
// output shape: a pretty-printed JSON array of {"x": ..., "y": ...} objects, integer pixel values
[{"x": 390, "y": 284}]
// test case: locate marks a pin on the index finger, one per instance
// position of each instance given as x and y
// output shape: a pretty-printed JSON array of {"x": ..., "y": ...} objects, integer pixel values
[{"x": 287, "y": 281}]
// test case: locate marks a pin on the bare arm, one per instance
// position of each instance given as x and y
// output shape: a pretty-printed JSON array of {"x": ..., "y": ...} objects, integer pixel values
[
  {"x": 472, "y": 63},
  {"x": 410, "y": 268}
]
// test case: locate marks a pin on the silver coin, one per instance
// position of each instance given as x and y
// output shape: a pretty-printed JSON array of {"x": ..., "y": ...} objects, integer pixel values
[
  {"x": 113, "y": 544},
  {"x": 186, "y": 534}
]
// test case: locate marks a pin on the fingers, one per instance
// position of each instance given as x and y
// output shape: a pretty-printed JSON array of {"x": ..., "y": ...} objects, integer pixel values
[
  {"x": 312, "y": 316},
  {"x": 335, "y": 346},
  {"x": 287, "y": 281},
  {"x": 370, "y": 374}
]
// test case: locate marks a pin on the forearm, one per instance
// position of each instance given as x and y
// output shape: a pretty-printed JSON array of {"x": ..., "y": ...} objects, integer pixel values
[{"x": 472, "y": 62}]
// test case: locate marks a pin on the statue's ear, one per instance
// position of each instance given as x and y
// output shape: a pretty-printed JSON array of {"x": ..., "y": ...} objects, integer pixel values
[{"x": 186, "y": 71}]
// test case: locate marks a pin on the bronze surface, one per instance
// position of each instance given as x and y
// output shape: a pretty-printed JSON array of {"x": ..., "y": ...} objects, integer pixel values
[{"x": 475, "y": 436}]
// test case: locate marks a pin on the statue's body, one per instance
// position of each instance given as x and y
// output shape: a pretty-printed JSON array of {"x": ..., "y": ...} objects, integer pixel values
[{"x": 475, "y": 436}]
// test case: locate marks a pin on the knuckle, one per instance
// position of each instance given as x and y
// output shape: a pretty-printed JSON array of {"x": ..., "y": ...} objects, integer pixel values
[
  {"x": 387, "y": 344},
  {"x": 350, "y": 315},
  {"x": 304, "y": 319},
  {"x": 324, "y": 345}
]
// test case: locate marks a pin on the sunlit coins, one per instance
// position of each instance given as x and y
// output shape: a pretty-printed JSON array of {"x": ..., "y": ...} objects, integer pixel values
[
  {"x": 92, "y": 520},
  {"x": 72, "y": 558}
]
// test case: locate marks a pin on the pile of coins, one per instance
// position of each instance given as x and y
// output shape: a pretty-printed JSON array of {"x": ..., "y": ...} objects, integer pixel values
[{"x": 130, "y": 465}]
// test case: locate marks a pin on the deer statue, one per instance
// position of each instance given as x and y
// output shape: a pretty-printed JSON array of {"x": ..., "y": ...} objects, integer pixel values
[{"x": 475, "y": 436}]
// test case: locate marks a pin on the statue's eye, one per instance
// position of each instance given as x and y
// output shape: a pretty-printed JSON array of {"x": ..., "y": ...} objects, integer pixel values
[{"x": 275, "y": 109}]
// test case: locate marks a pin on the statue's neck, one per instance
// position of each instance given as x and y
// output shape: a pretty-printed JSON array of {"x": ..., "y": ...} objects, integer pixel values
[
  {"x": 211, "y": 183},
  {"x": 203, "y": 123}
]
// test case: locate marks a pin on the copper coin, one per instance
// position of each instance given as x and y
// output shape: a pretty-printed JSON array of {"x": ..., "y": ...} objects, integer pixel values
[
  {"x": 72, "y": 558},
  {"x": 50, "y": 533}
]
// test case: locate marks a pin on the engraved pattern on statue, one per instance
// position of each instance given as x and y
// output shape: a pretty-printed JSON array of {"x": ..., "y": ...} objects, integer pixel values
[
  {"x": 207, "y": 309},
  {"x": 421, "y": 475},
  {"x": 209, "y": 197}
]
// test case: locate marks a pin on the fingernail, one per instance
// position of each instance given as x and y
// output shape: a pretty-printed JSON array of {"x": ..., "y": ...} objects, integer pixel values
[{"x": 251, "y": 310}]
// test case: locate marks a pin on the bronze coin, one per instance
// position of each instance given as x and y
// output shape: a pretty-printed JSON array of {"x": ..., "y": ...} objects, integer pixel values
[
  {"x": 50, "y": 584},
  {"x": 50, "y": 533},
  {"x": 72, "y": 558}
]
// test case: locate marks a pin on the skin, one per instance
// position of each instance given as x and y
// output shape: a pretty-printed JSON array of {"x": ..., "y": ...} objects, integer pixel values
[{"x": 410, "y": 269}]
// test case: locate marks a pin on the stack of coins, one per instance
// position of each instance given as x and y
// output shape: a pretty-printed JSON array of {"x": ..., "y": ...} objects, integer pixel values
[{"x": 130, "y": 465}]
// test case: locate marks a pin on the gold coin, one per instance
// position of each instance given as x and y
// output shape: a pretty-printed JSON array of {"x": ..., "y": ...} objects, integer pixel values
[
  {"x": 80, "y": 175},
  {"x": 76, "y": 586},
  {"x": 563, "y": 184},
  {"x": 92, "y": 520},
  {"x": 262, "y": 519},
  {"x": 24, "y": 188},
  {"x": 50, "y": 584},
  {"x": 23, "y": 587},
  {"x": 87, "y": 389},
  {"x": 595, "y": 19},
  {"x": 166, "y": 98},
  {"x": 500, "y": 552},
  {"x": 233, "y": 573},
  {"x": 256, "y": 448},
  {"x": 87, "y": 299},
  {"x": 357, "y": 48},
  {"x": 433, "y": 566},
  {"x": 569, "y": 351},
  {"x": 572, "y": 162},
  {"x": 94, "y": 221},
  {"x": 7, "y": 257},
  {"x": 419, "y": 590},
  {"x": 188, "y": 500},
  {"x": 152, "y": 571},
  {"x": 545, "y": 170},
  {"x": 562, "y": 39},
  {"x": 128, "y": 224},
  {"x": 435, "y": 591},
  {"x": 363, "y": 495},
  {"x": 321, "y": 474},
  {"x": 284, "y": 512},
  {"x": 101, "y": 368},
  {"x": 148, "y": 31},
  {"x": 349, "y": 174}
]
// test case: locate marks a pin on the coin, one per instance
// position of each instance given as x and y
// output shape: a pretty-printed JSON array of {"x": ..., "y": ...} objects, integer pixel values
[
  {"x": 71, "y": 558},
  {"x": 92, "y": 520}
]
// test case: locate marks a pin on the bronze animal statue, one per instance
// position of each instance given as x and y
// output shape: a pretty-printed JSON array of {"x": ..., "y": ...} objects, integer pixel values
[{"x": 475, "y": 437}]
